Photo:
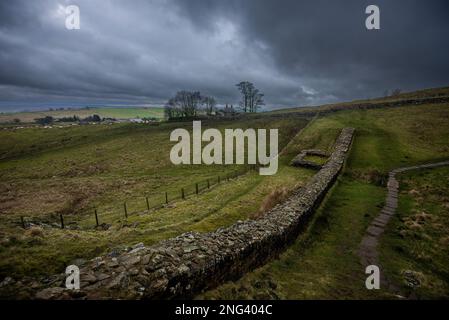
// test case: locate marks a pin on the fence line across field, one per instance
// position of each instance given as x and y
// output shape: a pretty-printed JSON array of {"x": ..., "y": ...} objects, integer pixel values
[{"x": 198, "y": 187}]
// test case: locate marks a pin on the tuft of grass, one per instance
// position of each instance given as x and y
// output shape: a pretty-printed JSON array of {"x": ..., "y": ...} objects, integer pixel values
[
  {"x": 271, "y": 200},
  {"x": 35, "y": 231}
]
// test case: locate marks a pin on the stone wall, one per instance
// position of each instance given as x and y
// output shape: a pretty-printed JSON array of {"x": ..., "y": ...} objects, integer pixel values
[{"x": 191, "y": 262}]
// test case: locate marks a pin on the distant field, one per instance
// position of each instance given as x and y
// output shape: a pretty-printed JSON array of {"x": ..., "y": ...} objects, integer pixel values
[{"x": 118, "y": 113}]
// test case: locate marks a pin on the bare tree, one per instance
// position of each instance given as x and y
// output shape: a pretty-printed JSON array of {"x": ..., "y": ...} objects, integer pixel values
[
  {"x": 396, "y": 92},
  {"x": 256, "y": 100},
  {"x": 172, "y": 109},
  {"x": 244, "y": 87},
  {"x": 183, "y": 101},
  {"x": 209, "y": 104},
  {"x": 184, "y": 104}
]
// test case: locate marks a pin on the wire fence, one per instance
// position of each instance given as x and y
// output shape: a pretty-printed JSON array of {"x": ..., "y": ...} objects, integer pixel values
[{"x": 97, "y": 218}]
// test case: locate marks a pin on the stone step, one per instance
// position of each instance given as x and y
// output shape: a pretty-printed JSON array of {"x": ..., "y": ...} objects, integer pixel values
[
  {"x": 369, "y": 242},
  {"x": 388, "y": 211},
  {"x": 381, "y": 220},
  {"x": 374, "y": 231}
]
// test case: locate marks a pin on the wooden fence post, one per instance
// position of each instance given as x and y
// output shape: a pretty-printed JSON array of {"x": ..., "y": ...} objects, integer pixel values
[
  {"x": 208, "y": 184},
  {"x": 96, "y": 217},
  {"x": 148, "y": 204},
  {"x": 62, "y": 221},
  {"x": 196, "y": 188},
  {"x": 182, "y": 193},
  {"x": 166, "y": 197},
  {"x": 126, "y": 210}
]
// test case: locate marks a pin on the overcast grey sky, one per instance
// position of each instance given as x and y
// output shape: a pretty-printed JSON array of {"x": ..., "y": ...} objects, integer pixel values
[{"x": 142, "y": 52}]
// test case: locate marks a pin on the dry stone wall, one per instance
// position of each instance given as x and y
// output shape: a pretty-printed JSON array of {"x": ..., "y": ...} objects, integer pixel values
[{"x": 191, "y": 262}]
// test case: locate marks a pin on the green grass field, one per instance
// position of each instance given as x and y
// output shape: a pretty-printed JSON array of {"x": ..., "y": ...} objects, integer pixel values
[
  {"x": 106, "y": 112},
  {"x": 323, "y": 263},
  {"x": 71, "y": 170}
]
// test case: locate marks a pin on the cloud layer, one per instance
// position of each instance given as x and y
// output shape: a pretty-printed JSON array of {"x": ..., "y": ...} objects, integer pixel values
[{"x": 142, "y": 52}]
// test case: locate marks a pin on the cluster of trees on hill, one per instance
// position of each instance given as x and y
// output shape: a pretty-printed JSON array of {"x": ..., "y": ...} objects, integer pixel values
[
  {"x": 252, "y": 98},
  {"x": 392, "y": 93},
  {"x": 69, "y": 119},
  {"x": 189, "y": 104},
  {"x": 45, "y": 120}
]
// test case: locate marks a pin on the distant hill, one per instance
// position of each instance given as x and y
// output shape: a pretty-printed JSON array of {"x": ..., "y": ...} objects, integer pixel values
[
  {"x": 442, "y": 92},
  {"x": 109, "y": 112}
]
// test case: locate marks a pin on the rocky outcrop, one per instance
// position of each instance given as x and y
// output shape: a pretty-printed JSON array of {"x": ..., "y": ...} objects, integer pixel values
[{"x": 191, "y": 262}]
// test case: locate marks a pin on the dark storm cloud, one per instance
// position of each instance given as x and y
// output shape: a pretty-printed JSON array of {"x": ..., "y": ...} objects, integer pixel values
[
  {"x": 141, "y": 52},
  {"x": 325, "y": 46}
]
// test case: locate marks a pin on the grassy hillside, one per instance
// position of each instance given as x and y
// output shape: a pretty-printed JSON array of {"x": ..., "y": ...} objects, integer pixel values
[
  {"x": 117, "y": 113},
  {"x": 323, "y": 262},
  {"x": 420, "y": 94},
  {"x": 71, "y": 170}
]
